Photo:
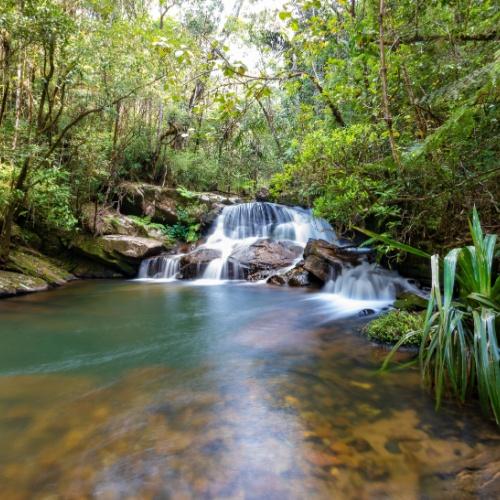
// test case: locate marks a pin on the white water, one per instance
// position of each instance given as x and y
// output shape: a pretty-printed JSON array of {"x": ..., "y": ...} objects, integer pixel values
[
  {"x": 366, "y": 286},
  {"x": 163, "y": 268},
  {"x": 239, "y": 226}
]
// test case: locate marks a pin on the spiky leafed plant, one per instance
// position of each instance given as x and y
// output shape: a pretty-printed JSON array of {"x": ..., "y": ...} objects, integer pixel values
[{"x": 459, "y": 353}]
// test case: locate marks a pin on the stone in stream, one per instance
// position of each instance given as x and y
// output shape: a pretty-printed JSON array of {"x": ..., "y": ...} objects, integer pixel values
[
  {"x": 264, "y": 256},
  {"x": 194, "y": 263},
  {"x": 296, "y": 277}
]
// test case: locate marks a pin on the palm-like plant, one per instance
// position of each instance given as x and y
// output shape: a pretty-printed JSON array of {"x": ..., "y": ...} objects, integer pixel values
[{"x": 459, "y": 353}]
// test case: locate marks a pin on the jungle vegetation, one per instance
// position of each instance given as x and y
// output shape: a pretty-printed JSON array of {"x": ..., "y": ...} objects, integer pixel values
[{"x": 377, "y": 113}]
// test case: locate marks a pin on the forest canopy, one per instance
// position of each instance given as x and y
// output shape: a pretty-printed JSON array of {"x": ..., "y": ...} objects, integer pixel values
[{"x": 375, "y": 113}]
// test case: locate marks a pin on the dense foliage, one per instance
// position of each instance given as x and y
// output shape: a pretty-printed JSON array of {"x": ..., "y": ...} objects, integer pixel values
[{"x": 382, "y": 114}]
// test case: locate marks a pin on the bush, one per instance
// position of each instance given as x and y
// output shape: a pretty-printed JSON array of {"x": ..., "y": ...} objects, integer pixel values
[{"x": 393, "y": 326}]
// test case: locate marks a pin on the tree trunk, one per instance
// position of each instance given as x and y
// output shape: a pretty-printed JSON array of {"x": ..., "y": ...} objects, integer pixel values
[
  {"x": 383, "y": 80},
  {"x": 419, "y": 117},
  {"x": 10, "y": 211}
]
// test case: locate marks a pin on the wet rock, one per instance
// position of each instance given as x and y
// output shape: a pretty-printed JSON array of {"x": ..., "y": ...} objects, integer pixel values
[
  {"x": 193, "y": 264},
  {"x": 18, "y": 284},
  {"x": 322, "y": 269},
  {"x": 265, "y": 256},
  {"x": 277, "y": 280},
  {"x": 208, "y": 218},
  {"x": 296, "y": 277},
  {"x": 416, "y": 268},
  {"x": 334, "y": 253},
  {"x": 408, "y": 301},
  {"x": 86, "y": 268},
  {"x": 366, "y": 312}
]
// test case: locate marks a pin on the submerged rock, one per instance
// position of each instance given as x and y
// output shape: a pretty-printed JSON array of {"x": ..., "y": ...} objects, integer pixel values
[{"x": 17, "y": 284}]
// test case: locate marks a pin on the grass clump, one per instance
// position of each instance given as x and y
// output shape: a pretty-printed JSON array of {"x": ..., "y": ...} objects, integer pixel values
[{"x": 390, "y": 328}]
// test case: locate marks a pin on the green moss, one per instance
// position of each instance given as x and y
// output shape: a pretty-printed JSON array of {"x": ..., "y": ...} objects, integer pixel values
[
  {"x": 390, "y": 327},
  {"x": 36, "y": 265},
  {"x": 411, "y": 302}
]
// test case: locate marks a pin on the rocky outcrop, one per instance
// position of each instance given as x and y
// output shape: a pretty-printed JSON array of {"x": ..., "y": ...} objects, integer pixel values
[
  {"x": 108, "y": 221},
  {"x": 322, "y": 269},
  {"x": 162, "y": 203},
  {"x": 264, "y": 256},
  {"x": 335, "y": 253},
  {"x": 31, "y": 263},
  {"x": 17, "y": 284},
  {"x": 193, "y": 264},
  {"x": 148, "y": 200},
  {"x": 122, "y": 253}
]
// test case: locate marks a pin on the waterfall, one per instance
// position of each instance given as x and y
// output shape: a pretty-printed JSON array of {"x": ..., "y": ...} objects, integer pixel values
[
  {"x": 164, "y": 267},
  {"x": 240, "y": 229},
  {"x": 239, "y": 226}
]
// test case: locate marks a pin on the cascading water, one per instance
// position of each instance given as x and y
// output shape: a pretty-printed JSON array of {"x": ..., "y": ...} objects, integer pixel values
[
  {"x": 239, "y": 226},
  {"x": 164, "y": 267},
  {"x": 365, "y": 286}
]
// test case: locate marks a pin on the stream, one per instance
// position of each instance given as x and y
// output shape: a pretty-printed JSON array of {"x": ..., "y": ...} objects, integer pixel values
[{"x": 127, "y": 389}]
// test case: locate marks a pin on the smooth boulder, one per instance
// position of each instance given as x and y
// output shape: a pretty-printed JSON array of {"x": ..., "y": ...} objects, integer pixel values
[{"x": 264, "y": 256}]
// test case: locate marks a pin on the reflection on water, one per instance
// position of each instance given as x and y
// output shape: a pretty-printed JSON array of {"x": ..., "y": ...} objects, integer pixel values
[{"x": 132, "y": 390}]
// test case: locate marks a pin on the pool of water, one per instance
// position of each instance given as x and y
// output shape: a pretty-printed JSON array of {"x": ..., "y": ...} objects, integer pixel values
[{"x": 166, "y": 390}]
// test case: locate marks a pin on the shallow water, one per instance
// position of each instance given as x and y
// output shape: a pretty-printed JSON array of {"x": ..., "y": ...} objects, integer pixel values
[{"x": 166, "y": 390}]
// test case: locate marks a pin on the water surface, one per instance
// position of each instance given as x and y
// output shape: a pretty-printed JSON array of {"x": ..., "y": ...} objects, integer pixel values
[{"x": 166, "y": 390}]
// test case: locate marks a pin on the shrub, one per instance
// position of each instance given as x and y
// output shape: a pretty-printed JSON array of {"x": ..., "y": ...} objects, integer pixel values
[{"x": 459, "y": 354}]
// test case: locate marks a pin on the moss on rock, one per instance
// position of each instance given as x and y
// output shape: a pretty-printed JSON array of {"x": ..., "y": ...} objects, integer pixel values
[
  {"x": 390, "y": 327},
  {"x": 410, "y": 302},
  {"x": 17, "y": 284},
  {"x": 36, "y": 265}
]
